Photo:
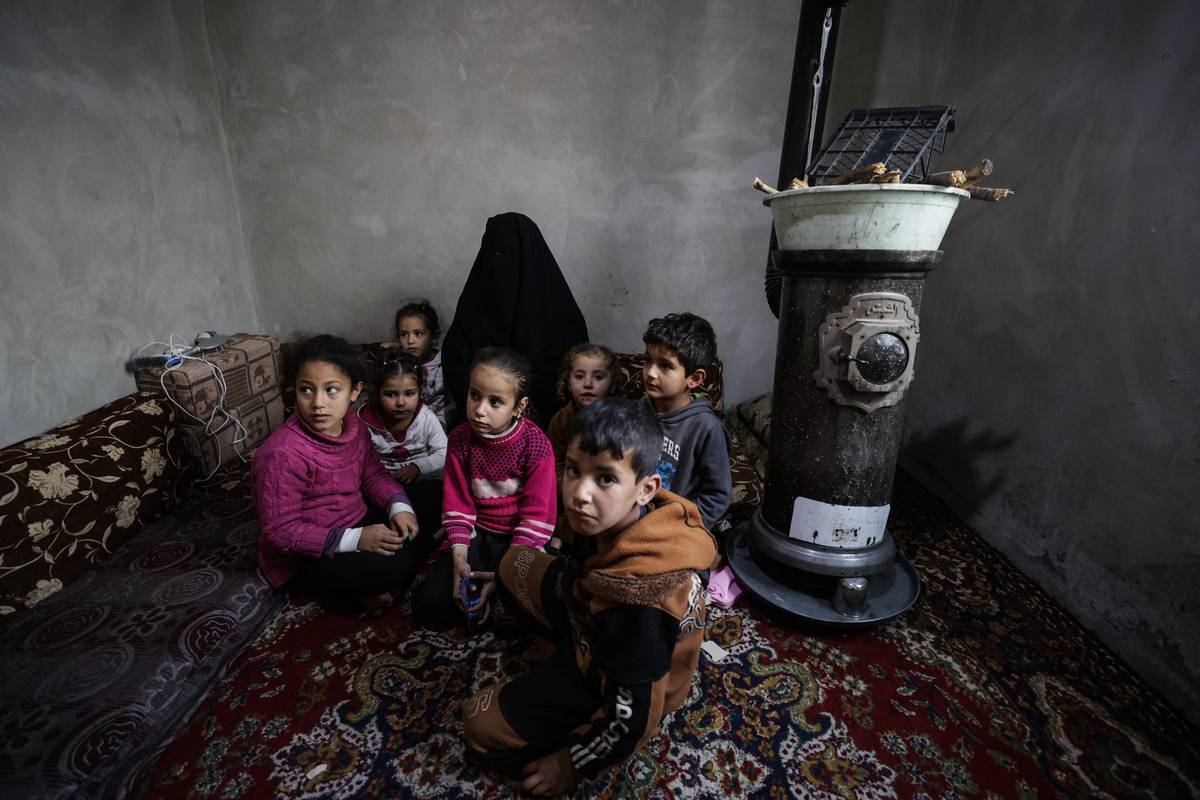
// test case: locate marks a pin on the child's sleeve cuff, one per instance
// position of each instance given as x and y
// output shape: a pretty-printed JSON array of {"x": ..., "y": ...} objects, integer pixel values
[
  {"x": 458, "y": 535},
  {"x": 349, "y": 541},
  {"x": 398, "y": 507}
]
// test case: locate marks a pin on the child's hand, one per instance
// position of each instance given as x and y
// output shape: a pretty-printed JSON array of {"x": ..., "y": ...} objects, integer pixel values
[
  {"x": 405, "y": 524},
  {"x": 379, "y": 539},
  {"x": 487, "y": 585},
  {"x": 549, "y": 776},
  {"x": 462, "y": 571},
  {"x": 407, "y": 474}
]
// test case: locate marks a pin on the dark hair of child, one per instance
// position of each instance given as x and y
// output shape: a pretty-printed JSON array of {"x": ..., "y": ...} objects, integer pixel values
[
  {"x": 323, "y": 347},
  {"x": 585, "y": 349},
  {"x": 688, "y": 336},
  {"x": 420, "y": 307},
  {"x": 619, "y": 425},
  {"x": 508, "y": 361},
  {"x": 398, "y": 364}
]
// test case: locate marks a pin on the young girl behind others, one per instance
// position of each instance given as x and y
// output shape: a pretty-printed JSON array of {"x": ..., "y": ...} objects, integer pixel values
[
  {"x": 587, "y": 376},
  {"x": 498, "y": 490},
  {"x": 417, "y": 332},
  {"x": 407, "y": 436},
  {"x": 332, "y": 521}
]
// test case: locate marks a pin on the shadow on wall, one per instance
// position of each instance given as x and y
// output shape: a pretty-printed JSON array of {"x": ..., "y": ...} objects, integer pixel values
[{"x": 953, "y": 450}]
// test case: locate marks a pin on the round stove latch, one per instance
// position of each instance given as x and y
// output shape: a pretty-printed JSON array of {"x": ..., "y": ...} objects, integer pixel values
[{"x": 867, "y": 351}]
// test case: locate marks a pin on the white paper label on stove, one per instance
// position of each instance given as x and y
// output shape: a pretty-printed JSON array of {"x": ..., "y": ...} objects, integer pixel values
[{"x": 849, "y": 527}]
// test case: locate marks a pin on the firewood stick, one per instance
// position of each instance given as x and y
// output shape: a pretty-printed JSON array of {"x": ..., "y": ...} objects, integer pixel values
[
  {"x": 891, "y": 176},
  {"x": 862, "y": 173},
  {"x": 978, "y": 172},
  {"x": 798, "y": 183},
  {"x": 764, "y": 188},
  {"x": 955, "y": 177},
  {"x": 984, "y": 193}
]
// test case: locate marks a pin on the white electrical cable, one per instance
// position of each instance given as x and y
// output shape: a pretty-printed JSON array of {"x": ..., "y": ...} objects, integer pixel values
[{"x": 184, "y": 352}]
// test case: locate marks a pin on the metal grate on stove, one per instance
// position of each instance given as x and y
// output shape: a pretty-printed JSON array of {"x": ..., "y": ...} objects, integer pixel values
[{"x": 903, "y": 138}]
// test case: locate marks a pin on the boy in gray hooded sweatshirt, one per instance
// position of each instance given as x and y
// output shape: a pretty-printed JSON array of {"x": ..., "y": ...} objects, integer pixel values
[{"x": 694, "y": 463}]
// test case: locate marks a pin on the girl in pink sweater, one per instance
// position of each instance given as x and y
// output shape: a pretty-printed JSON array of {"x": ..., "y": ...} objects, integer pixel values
[
  {"x": 499, "y": 489},
  {"x": 332, "y": 521}
]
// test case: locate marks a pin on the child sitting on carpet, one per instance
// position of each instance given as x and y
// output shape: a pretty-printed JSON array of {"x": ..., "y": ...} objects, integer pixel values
[
  {"x": 417, "y": 332},
  {"x": 627, "y": 613},
  {"x": 332, "y": 521},
  {"x": 680, "y": 348},
  {"x": 498, "y": 490},
  {"x": 407, "y": 436}
]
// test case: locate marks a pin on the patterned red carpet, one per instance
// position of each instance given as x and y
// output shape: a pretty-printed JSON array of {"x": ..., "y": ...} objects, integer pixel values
[{"x": 985, "y": 689}]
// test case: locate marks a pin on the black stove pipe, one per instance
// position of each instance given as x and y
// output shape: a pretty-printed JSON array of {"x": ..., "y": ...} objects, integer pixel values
[{"x": 812, "y": 69}]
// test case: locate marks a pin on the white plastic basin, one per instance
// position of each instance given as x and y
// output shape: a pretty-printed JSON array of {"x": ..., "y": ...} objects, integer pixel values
[{"x": 885, "y": 216}]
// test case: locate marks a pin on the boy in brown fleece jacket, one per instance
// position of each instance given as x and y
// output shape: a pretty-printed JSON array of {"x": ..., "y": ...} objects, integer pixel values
[{"x": 627, "y": 612}]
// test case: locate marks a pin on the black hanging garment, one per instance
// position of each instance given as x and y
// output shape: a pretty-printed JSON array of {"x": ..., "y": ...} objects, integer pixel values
[{"x": 515, "y": 297}]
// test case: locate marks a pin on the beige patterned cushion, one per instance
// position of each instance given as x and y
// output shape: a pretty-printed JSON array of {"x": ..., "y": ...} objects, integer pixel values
[{"x": 251, "y": 368}]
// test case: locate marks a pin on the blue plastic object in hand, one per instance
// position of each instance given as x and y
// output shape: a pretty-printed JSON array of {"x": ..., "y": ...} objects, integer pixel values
[{"x": 469, "y": 590}]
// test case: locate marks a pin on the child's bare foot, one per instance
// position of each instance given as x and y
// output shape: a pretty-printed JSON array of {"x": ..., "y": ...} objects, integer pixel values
[{"x": 382, "y": 600}]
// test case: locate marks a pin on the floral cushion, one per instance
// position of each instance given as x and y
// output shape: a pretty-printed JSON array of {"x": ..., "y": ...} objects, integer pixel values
[
  {"x": 70, "y": 497},
  {"x": 747, "y": 486},
  {"x": 756, "y": 414},
  {"x": 750, "y": 423}
]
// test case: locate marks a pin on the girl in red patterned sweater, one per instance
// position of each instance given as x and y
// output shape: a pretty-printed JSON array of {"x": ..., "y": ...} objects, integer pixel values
[{"x": 498, "y": 489}]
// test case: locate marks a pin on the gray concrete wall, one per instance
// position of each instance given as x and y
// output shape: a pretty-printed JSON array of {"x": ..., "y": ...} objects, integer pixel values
[
  {"x": 372, "y": 140},
  {"x": 1059, "y": 366},
  {"x": 1059, "y": 363},
  {"x": 118, "y": 219}
]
